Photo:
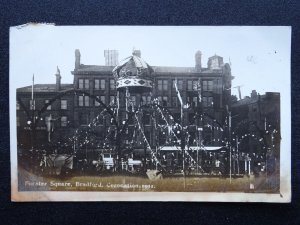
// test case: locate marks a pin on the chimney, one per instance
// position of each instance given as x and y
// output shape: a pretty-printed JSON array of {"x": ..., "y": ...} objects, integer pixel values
[
  {"x": 77, "y": 59},
  {"x": 254, "y": 94},
  {"x": 111, "y": 57},
  {"x": 58, "y": 80},
  {"x": 198, "y": 61},
  {"x": 137, "y": 53}
]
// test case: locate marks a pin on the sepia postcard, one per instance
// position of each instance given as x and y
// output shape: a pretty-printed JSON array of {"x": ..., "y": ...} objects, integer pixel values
[{"x": 150, "y": 113}]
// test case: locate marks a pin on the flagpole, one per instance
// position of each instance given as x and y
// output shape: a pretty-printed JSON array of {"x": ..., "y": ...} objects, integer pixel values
[
  {"x": 32, "y": 112},
  {"x": 32, "y": 88},
  {"x": 229, "y": 142}
]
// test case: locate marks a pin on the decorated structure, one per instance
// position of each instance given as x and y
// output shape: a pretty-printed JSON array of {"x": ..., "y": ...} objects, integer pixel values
[{"x": 134, "y": 110}]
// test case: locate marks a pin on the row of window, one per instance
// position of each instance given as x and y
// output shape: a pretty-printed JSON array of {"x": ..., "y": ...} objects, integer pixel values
[
  {"x": 192, "y": 101},
  {"x": 162, "y": 85},
  {"x": 164, "y": 100},
  {"x": 192, "y": 85},
  {"x": 63, "y": 121},
  {"x": 99, "y": 84},
  {"x": 63, "y": 104}
]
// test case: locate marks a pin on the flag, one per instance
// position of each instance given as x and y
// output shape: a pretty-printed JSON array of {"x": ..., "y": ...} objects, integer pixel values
[
  {"x": 178, "y": 93},
  {"x": 199, "y": 90},
  {"x": 50, "y": 126}
]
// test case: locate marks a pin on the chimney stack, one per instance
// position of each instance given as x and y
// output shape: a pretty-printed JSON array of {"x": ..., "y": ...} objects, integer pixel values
[
  {"x": 254, "y": 94},
  {"x": 77, "y": 59},
  {"x": 111, "y": 57},
  {"x": 58, "y": 80},
  {"x": 198, "y": 61}
]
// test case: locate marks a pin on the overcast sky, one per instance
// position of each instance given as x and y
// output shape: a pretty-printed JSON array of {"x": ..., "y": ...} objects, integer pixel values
[{"x": 259, "y": 56}]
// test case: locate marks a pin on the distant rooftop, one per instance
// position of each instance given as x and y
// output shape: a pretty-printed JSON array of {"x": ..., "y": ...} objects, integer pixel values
[
  {"x": 45, "y": 88},
  {"x": 157, "y": 69}
]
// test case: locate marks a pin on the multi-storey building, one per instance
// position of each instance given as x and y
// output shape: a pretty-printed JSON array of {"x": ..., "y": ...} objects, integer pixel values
[
  {"x": 256, "y": 128},
  {"x": 74, "y": 109}
]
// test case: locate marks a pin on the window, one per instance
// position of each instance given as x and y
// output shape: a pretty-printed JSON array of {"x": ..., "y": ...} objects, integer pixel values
[
  {"x": 80, "y": 84},
  {"x": 174, "y": 101},
  {"x": 164, "y": 101},
  {"x": 96, "y": 102},
  {"x": 49, "y": 106},
  {"x": 101, "y": 98},
  {"x": 112, "y": 99},
  {"x": 133, "y": 100},
  {"x": 207, "y": 101},
  {"x": 165, "y": 85},
  {"x": 146, "y": 100},
  {"x": 192, "y": 85},
  {"x": 64, "y": 121},
  {"x": 80, "y": 100},
  {"x": 86, "y": 100},
  {"x": 84, "y": 119},
  {"x": 97, "y": 84},
  {"x": 159, "y": 85},
  {"x": 32, "y": 104},
  {"x": 179, "y": 84},
  {"x": 207, "y": 85},
  {"x": 162, "y": 85},
  {"x": 18, "y": 106},
  {"x": 194, "y": 101},
  {"x": 86, "y": 84},
  {"x": 102, "y": 84},
  {"x": 83, "y": 84},
  {"x": 63, "y": 104},
  {"x": 112, "y": 85},
  {"x": 83, "y": 100}
]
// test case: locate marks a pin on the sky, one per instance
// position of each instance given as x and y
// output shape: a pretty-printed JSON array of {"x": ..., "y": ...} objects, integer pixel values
[{"x": 259, "y": 56}]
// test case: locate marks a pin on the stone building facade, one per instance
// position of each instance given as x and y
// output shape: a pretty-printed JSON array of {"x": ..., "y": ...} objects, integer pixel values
[{"x": 205, "y": 92}]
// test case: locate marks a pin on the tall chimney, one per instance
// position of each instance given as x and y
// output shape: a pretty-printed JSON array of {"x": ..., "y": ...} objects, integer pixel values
[
  {"x": 58, "y": 80},
  {"x": 198, "y": 61},
  {"x": 137, "y": 53},
  {"x": 77, "y": 59},
  {"x": 111, "y": 57}
]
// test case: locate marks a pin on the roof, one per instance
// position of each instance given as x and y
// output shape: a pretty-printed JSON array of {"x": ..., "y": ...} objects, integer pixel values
[
  {"x": 45, "y": 88},
  {"x": 95, "y": 68},
  {"x": 157, "y": 69}
]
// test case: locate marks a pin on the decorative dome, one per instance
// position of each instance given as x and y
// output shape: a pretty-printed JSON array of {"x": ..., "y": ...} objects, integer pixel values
[{"x": 134, "y": 73}]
